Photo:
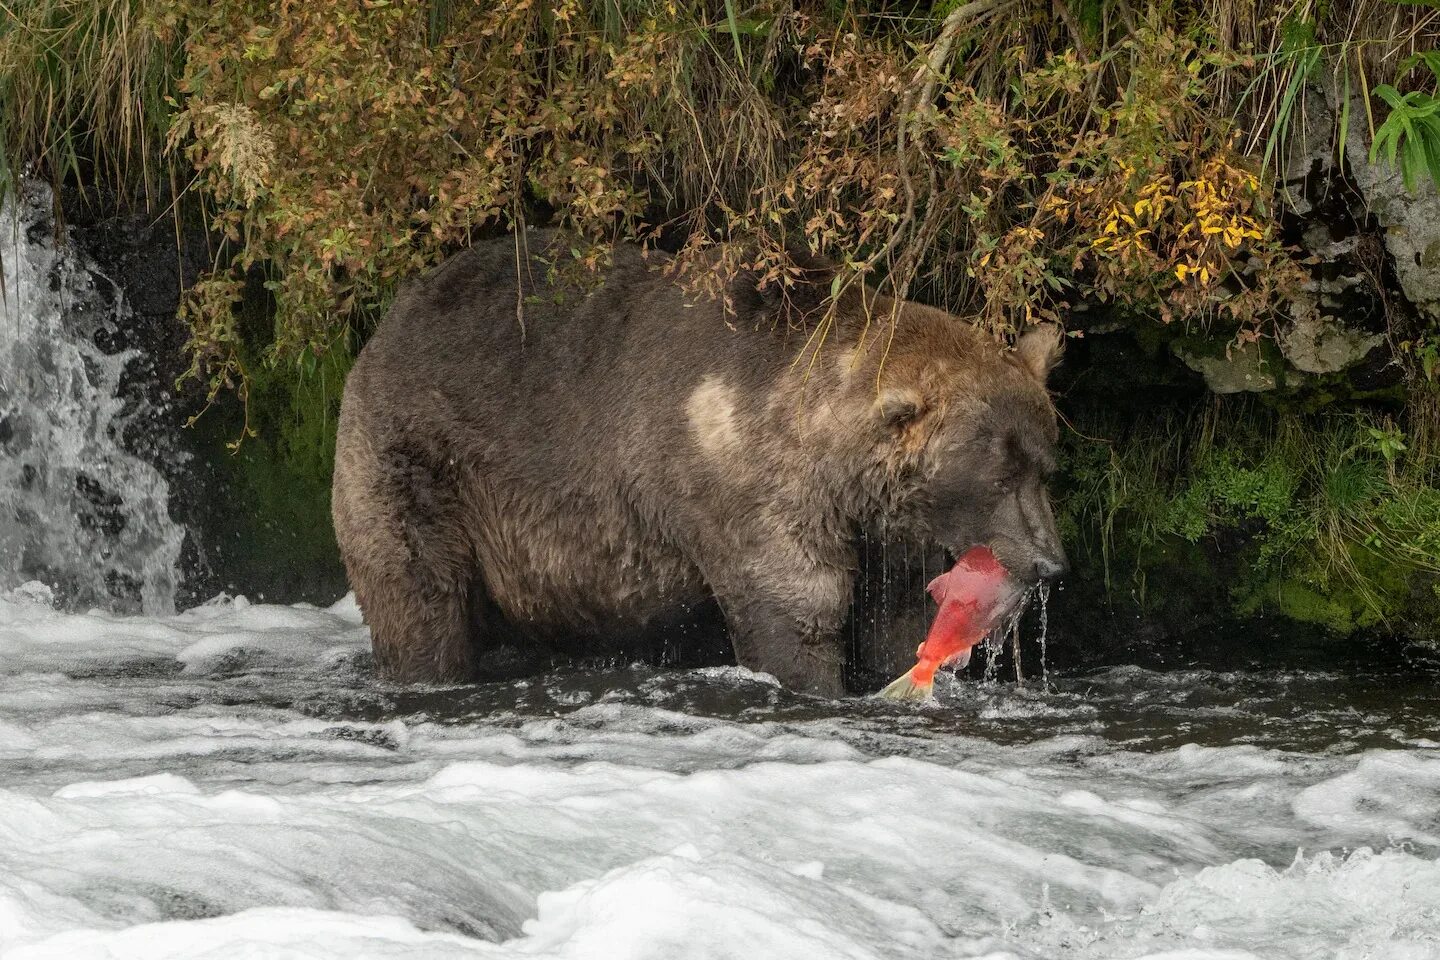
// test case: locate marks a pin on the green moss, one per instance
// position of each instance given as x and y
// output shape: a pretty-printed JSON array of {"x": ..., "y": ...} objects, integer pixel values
[
  {"x": 285, "y": 471},
  {"x": 1299, "y": 602},
  {"x": 1329, "y": 520},
  {"x": 1378, "y": 596},
  {"x": 275, "y": 539}
]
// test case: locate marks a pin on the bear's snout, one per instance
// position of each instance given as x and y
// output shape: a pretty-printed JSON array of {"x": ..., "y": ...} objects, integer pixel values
[{"x": 1050, "y": 567}]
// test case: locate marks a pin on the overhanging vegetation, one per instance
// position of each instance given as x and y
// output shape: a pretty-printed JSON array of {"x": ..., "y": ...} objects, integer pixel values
[{"x": 1101, "y": 162}]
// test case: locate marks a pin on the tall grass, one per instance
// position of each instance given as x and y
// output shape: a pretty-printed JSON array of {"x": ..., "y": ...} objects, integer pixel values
[
  {"x": 994, "y": 156},
  {"x": 86, "y": 88}
]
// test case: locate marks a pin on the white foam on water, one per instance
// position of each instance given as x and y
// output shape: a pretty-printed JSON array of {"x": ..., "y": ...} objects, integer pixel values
[{"x": 193, "y": 786}]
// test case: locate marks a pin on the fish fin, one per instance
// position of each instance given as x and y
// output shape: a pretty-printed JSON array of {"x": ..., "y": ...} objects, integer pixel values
[
  {"x": 907, "y": 688},
  {"x": 960, "y": 660},
  {"x": 936, "y": 588}
]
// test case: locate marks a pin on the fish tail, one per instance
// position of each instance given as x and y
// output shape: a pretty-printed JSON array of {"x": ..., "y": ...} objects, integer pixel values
[{"x": 908, "y": 687}]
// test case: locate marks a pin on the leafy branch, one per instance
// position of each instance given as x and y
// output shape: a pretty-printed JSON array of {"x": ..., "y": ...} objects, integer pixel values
[{"x": 1410, "y": 135}]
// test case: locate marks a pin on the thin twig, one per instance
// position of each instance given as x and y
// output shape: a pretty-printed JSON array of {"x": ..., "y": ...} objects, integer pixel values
[{"x": 1076, "y": 35}]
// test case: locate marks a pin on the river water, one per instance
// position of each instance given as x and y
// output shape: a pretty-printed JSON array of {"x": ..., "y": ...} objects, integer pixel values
[{"x": 229, "y": 782}]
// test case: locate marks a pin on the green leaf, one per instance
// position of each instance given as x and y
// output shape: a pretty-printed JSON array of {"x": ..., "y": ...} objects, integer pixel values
[
  {"x": 1407, "y": 131},
  {"x": 734, "y": 32},
  {"x": 1390, "y": 95},
  {"x": 1419, "y": 105},
  {"x": 746, "y": 26},
  {"x": 1296, "y": 34},
  {"x": 1430, "y": 58},
  {"x": 1430, "y": 140},
  {"x": 1406, "y": 126},
  {"x": 1305, "y": 63},
  {"x": 1091, "y": 16},
  {"x": 1413, "y": 161},
  {"x": 1386, "y": 139}
]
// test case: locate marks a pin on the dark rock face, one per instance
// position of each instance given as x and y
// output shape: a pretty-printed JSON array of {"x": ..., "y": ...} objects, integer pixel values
[{"x": 235, "y": 542}]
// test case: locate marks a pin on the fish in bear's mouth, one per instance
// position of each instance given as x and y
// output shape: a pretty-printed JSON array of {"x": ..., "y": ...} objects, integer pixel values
[{"x": 973, "y": 595}]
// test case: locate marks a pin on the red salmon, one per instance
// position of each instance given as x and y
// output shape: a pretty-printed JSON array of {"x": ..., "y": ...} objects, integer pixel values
[{"x": 972, "y": 595}]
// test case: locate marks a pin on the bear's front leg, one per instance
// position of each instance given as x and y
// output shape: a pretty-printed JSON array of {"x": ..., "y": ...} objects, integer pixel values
[
  {"x": 785, "y": 603},
  {"x": 769, "y": 640}
]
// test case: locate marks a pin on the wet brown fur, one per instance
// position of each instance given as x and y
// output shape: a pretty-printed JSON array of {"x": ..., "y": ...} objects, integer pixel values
[{"x": 631, "y": 453}]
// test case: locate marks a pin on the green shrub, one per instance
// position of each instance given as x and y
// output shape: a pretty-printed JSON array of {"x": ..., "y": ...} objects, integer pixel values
[{"x": 1006, "y": 162}]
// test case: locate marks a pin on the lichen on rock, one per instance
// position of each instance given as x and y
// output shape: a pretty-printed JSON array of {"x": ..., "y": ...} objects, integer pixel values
[
  {"x": 1238, "y": 369},
  {"x": 1318, "y": 343}
]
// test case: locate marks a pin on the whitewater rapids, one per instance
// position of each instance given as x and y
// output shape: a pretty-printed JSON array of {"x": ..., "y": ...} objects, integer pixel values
[{"x": 228, "y": 782}]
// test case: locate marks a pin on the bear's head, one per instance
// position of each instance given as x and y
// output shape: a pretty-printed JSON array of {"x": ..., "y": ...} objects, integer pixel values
[
  {"x": 954, "y": 432},
  {"x": 961, "y": 436}
]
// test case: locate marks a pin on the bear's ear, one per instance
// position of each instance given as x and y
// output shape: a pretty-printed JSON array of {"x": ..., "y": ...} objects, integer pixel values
[
  {"x": 902, "y": 413},
  {"x": 1039, "y": 350}
]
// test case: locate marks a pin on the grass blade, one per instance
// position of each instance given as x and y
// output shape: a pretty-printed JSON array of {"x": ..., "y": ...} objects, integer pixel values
[{"x": 734, "y": 24}]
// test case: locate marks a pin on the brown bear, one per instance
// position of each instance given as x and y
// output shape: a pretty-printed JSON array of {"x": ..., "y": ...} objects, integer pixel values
[{"x": 522, "y": 460}]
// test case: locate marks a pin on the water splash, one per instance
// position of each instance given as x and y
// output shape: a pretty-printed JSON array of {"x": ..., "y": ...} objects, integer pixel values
[
  {"x": 1044, "y": 594},
  {"x": 1008, "y": 635},
  {"x": 1015, "y": 649},
  {"x": 77, "y": 511},
  {"x": 994, "y": 645}
]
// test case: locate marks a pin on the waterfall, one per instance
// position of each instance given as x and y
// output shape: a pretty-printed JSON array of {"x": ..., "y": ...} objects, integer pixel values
[{"x": 78, "y": 511}]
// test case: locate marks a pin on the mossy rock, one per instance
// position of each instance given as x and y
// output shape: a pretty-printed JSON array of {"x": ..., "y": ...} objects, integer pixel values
[
  {"x": 1378, "y": 594},
  {"x": 1300, "y": 602},
  {"x": 274, "y": 539},
  {"x": 1254, "y": 367}
]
